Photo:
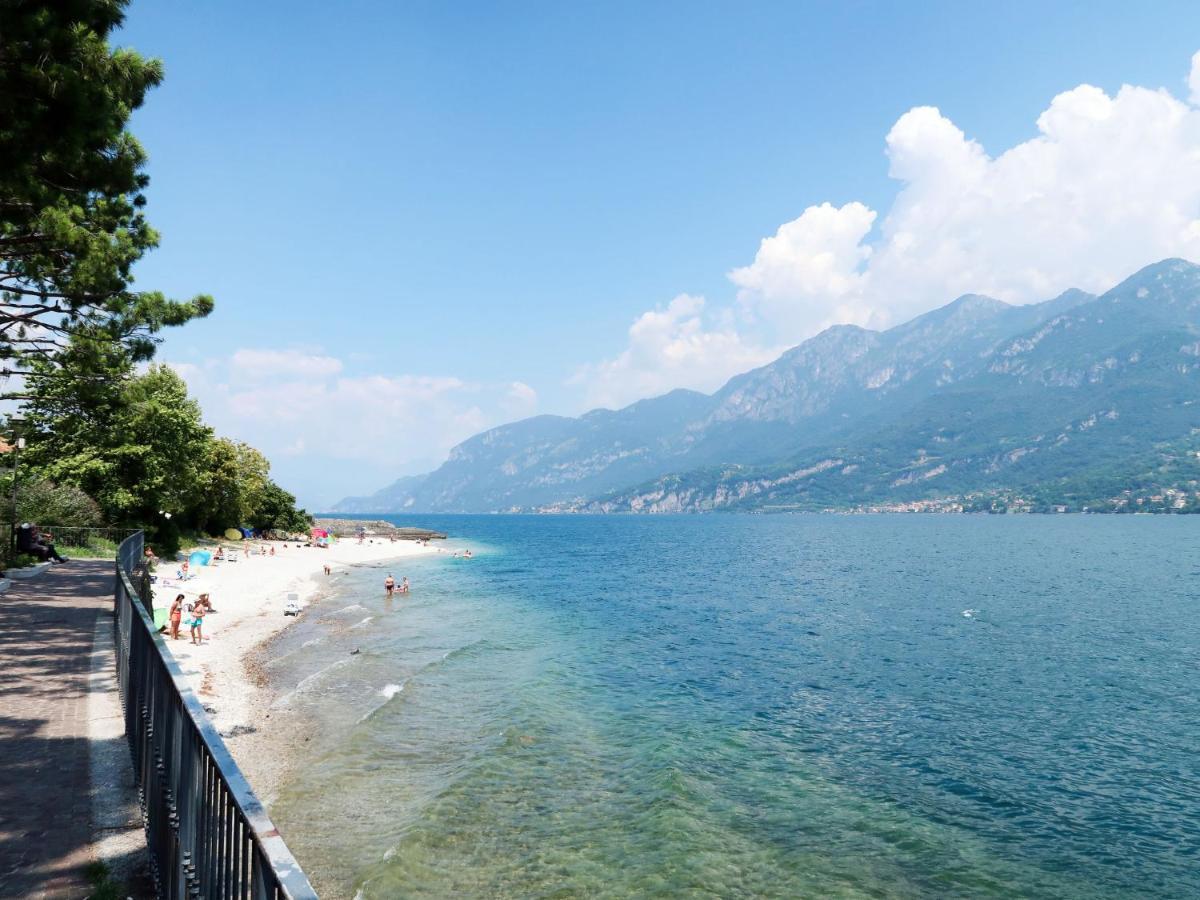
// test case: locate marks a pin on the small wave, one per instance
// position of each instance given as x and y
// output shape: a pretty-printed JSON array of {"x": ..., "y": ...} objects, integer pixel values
[
  {"x": 349, "y": 608},
  {"x": 306, "y": 681},
  {"x": 310, "y": 643},
  {"x": 387, "y": 692},
  {"x": 969, "y": 613},
  {"x": 391, "y": 690},
  {"x": 363, "y": 622}
]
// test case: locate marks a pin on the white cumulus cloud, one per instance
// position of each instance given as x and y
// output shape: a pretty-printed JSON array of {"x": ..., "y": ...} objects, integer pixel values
[
  {"x": 818, "y": 256},
  {"x": 1108, "y": 184}
]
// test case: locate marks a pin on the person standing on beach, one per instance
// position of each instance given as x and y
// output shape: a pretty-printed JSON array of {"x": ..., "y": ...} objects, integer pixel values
[
  {"x": 176, "y": 615},
  {"x": 198, "y": 612},
  {"x": 389, "y": 585}
]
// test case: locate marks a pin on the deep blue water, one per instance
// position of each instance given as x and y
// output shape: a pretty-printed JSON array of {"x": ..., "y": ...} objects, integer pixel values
[{"x": 738, "y": 706}]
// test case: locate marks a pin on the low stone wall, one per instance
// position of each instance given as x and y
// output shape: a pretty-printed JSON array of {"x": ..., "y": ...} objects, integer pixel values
[{"x": 350, "y": 527}]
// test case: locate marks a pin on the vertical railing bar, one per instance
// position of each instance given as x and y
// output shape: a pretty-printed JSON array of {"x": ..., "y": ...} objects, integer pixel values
[
  {"x": 243, "y": 881},
  {"x": 214, "y": 866},
  {"x": 223, "y": 844},
  {"x": 210, "y": 831}
]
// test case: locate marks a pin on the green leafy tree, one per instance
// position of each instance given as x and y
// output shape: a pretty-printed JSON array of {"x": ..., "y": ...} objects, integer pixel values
[
  {"x": 135, "y": 443},
  {"x": 71, "y": 185},
  {"x": 163, "y": 450},
  {"x": 234, "y": 479},
  {"x": 74, "y": 416},
  {"x": 138, "y": 445},
  {"x": 276, "y": 511}
]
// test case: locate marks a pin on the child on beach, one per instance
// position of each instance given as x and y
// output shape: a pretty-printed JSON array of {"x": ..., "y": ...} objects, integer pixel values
[
  {"x": 176, "y": 616},
  {"x": 197, "y": 622}
]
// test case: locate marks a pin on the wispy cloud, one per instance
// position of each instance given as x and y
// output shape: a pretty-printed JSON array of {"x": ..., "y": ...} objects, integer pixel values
[{"x": 330, "y": 433}]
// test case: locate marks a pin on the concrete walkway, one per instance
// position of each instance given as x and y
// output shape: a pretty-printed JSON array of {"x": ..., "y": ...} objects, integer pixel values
[{"x": 66, "y": 785}]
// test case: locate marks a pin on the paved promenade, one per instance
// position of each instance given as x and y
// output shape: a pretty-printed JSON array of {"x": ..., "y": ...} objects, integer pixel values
[{"x": 65, "y": 788}]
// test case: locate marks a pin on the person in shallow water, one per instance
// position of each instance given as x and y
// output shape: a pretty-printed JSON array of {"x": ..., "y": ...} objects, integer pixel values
[
  {"x": 389, "y": 585},
  {"x": 404, "y": 585}
]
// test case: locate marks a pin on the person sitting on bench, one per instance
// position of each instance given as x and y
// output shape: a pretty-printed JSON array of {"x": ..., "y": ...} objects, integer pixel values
[{"x": 29, "y": 540}]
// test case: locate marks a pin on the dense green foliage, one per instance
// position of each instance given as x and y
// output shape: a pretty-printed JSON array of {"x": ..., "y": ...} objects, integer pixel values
[
  {"x": 137, "y": 443},
  {"x": 71, "y": 184},
  {"x": 107, "y": 443},
  {"x": 39, "y": 500}
]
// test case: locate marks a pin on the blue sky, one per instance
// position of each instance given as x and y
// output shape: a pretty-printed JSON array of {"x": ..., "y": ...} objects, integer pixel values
[{"x": 423, "y": 219}]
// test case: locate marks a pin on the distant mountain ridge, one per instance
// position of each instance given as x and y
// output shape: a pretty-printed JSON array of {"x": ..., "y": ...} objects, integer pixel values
[{"x": 977, "y": 396}]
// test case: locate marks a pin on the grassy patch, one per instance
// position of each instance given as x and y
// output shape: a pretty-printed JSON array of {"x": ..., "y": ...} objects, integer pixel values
[
  {"x": 103, "y": 886},
  {"x": 95, "y": 548}
]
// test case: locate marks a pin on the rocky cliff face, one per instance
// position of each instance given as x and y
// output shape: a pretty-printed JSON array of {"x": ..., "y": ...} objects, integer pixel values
[{"x": 975, "y": 393}]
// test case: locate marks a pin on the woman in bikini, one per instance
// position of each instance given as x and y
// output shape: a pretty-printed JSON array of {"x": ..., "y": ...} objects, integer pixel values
[{"x": 176, "y": 616}]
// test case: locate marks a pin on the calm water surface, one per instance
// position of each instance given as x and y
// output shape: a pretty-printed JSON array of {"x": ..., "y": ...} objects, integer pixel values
[{"x": 753, "y": 706}]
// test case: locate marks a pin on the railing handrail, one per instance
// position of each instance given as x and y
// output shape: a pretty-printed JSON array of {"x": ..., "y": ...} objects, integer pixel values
[{"x": 289, "y": 877}]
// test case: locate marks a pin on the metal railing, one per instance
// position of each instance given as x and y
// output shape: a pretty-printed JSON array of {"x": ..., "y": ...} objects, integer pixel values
[
  {"x": 97, "y": 539},
  {"x": 208, "y": 835}
]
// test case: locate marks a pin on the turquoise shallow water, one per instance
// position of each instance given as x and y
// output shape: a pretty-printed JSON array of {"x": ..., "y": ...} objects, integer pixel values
[{"x": 738, "y": 706}]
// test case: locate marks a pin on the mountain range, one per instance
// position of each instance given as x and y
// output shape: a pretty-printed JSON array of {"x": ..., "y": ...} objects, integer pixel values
[{"x": 1078, "y": 400}]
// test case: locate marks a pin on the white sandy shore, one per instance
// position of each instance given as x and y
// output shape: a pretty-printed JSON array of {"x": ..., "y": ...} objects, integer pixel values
[{"x": 249, "y": 596}]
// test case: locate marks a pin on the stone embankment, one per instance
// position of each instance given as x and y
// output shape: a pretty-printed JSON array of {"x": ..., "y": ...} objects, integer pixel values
[{"x": 350, "y": 527}]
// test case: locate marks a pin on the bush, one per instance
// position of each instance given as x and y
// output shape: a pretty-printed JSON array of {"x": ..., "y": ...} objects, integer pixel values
[
  {"x": 47, "y": 503},
  {"x": 21, "y": 561}
]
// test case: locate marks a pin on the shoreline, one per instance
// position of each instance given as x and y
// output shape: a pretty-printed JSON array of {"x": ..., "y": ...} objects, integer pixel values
[{"x": 225, "y": 671}]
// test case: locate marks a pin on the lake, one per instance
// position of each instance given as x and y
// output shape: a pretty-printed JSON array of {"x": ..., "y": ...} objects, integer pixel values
[{"x": 755, "y": 706}]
